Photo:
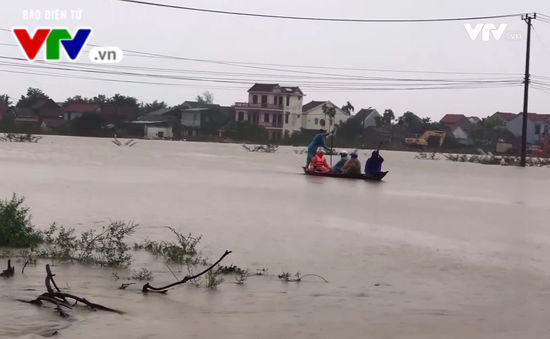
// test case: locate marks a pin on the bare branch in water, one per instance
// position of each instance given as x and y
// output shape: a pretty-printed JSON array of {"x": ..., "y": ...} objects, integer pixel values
[{"x": 149, "y": 288}]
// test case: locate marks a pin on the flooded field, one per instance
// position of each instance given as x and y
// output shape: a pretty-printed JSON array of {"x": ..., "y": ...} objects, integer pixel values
[{"x": 438, "y": 250}]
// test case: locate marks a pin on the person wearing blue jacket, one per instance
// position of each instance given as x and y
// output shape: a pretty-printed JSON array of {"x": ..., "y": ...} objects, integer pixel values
[
  {"x": 339, "y": 167},
  {"x": 318, "y": 141},
  {"x": 374, "y": 163}
]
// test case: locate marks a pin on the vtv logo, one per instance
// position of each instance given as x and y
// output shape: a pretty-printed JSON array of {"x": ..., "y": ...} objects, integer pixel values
[
  {"x": 54, "y": 38},
  {"x": 486, "y": 30}
]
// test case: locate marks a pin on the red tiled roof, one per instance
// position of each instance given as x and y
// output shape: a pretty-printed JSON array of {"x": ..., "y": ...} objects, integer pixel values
[
  {"x": 452, "y": 118},
  {"x": 505, "y": 116},
  {"x": 538, "y": 117},
  {"x": 40, "y": 103},
  {"x": 81, "y": 108}
]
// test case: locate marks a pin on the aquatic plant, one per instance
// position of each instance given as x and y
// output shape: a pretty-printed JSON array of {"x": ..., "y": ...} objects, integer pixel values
[
  {"x": 266, "y": 149},
  {"x": 107, "y": 249},
  {"x": 241, "y": 277},
  {"x": 183, "y": 251},
  {"x": 285, "y": 276},
  {"x": 143, "y": 274},
  {"x": 16, "y": 229},
  {"x": 12, "y": 137},
  {"x": 213, "y": 279},
  {"x": 498, "y": 160},
  {"x": 426, "y": 156}
]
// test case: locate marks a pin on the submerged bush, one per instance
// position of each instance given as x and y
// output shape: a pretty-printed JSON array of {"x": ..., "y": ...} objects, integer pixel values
[
  {"x": 16, "y": 229},
  {"x": 107, "y": 249}
]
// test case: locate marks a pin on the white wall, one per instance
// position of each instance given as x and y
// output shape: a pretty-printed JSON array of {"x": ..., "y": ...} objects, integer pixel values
[
  {"x": 191, "y": 119},
  {"x": 152, "y": 131},
  {"x": 515, "y": 126},
  {"x": 315, "y": 115},
  {"x": 459, "y": 133},
  {"x": 370, "y": 121}
]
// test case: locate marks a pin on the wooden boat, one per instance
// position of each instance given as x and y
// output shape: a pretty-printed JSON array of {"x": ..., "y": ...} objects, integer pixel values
[{"x": 373, "y": 177}]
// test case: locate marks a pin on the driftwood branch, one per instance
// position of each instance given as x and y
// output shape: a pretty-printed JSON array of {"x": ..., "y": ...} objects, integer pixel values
[
  {"x": 149, "y": 288},
  {"x": 91, "y": 305},
  {"x": 8, "y": 272},
  {"x": 59, "y": 299}
]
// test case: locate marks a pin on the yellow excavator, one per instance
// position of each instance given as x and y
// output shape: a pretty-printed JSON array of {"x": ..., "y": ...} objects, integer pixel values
[{"x": 428, "y": 139}]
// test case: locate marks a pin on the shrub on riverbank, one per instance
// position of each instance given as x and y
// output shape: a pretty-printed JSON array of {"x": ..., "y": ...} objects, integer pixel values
[{"x": 16, "y": 229}]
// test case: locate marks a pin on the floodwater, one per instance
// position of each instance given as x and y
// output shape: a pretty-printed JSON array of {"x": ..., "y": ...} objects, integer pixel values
[{"x": 438, "y": 250}]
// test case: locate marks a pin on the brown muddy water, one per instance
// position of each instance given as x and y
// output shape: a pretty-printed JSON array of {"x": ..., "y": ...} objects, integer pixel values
[{"x": 438, "y": 250}]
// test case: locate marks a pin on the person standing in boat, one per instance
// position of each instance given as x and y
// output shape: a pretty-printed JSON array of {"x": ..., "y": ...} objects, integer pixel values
[
  {"x": 374, "y": 163},
  {"x": 353, "y": 165},
  {"x": 319, "y": 163},
  {"x": 318, "y": 141},
  {"x": 339, "y": 167}
]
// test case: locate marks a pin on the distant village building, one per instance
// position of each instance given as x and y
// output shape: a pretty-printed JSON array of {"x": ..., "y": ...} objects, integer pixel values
[
  {"x": 367, "y": 116},
  {"x": 459, "y": 125},
  {"x": 314, "y": 118},
  {"x": 76, "y": 110},
  {"x": 272, "y": 106},
  {"x": 536, "y": 125}
]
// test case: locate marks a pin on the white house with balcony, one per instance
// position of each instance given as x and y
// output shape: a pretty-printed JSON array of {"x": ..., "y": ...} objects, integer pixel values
[
  {"x": 313, "y": 116},
  {"x": 275, "y": 107}
]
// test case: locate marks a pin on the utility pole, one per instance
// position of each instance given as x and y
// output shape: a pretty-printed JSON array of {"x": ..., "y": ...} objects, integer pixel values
[{"x": 527, "y": 18}]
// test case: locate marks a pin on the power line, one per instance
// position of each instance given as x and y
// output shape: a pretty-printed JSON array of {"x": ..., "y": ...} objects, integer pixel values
[
  {"x": 253, "y": 64},
  {"x": 271, "y": 16}
]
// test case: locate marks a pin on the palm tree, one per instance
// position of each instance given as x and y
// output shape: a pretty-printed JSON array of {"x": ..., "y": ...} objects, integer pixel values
[
  {"x": 331, "y": 112},
  {"x": 348, "y": 108}
]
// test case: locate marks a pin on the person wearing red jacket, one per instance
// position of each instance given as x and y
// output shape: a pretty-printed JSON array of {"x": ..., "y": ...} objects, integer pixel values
[{"x": 319, "y": 163}]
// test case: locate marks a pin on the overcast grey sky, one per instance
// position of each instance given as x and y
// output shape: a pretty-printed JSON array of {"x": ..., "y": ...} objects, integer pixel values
[{"x": 398, "y": 46}]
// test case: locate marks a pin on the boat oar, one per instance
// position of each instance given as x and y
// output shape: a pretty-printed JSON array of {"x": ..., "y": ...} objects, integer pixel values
[{"x": 331, "y": 148}]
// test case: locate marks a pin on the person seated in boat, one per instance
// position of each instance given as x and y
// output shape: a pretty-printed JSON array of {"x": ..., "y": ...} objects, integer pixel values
[
  {"x": 374, "y": 163},
  {"x": 353, "y": 166},
  {"x": 318, "y": 141},
  {"x": 318, "y": 163},
  {"x": 339, "y": 167}
]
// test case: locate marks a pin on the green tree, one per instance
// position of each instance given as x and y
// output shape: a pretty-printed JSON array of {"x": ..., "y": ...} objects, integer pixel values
[
  {"x": 123, "y": 100},
  {"x": 349, "y": 130},
  {"x": 206, "y": 98},
  {"x": 99, "y": 99},
  {"x": 5, "y": 99},
  {"x": 487, "y": 130},
  {"x": 77, "y": 99},
  {"x": 33, "y": 96},
  {"x": 330, "y": 111},
  {"x": 154, "y": 106},
  {"x": 87, "y": 125}
]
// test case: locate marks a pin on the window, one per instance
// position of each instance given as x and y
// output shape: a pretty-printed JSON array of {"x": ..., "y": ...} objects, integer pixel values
[
  {"x": 280, "y": 118},
  {"x": 537, "y": 129},
  {"x": 288, "y": 100},
  {"x": 254, "y": 99},
  {"x": 195, "y": 116},
  {"x": 160, "y": 134},
  {"x": 280, "y": 101},
  {"x": 266, "y": 117},
  {"x": 264, "y": 99},
  {"x": 286, "y": 119},
  {"x": 241, "y": 116},
  {"x": 316, "y": 121}
]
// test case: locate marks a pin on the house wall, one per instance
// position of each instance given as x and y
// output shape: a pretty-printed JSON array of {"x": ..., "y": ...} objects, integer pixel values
[
  {"x": 191, "y": 119},
  {"x": 152, "y": 131},
  {"x": 312, "y": 119},
  {"x": 515, "y": 126},
  {"x": 370, "y": 121},
  {"x": 72, "y": 115},
  {"x": 460, "y": 134}
]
